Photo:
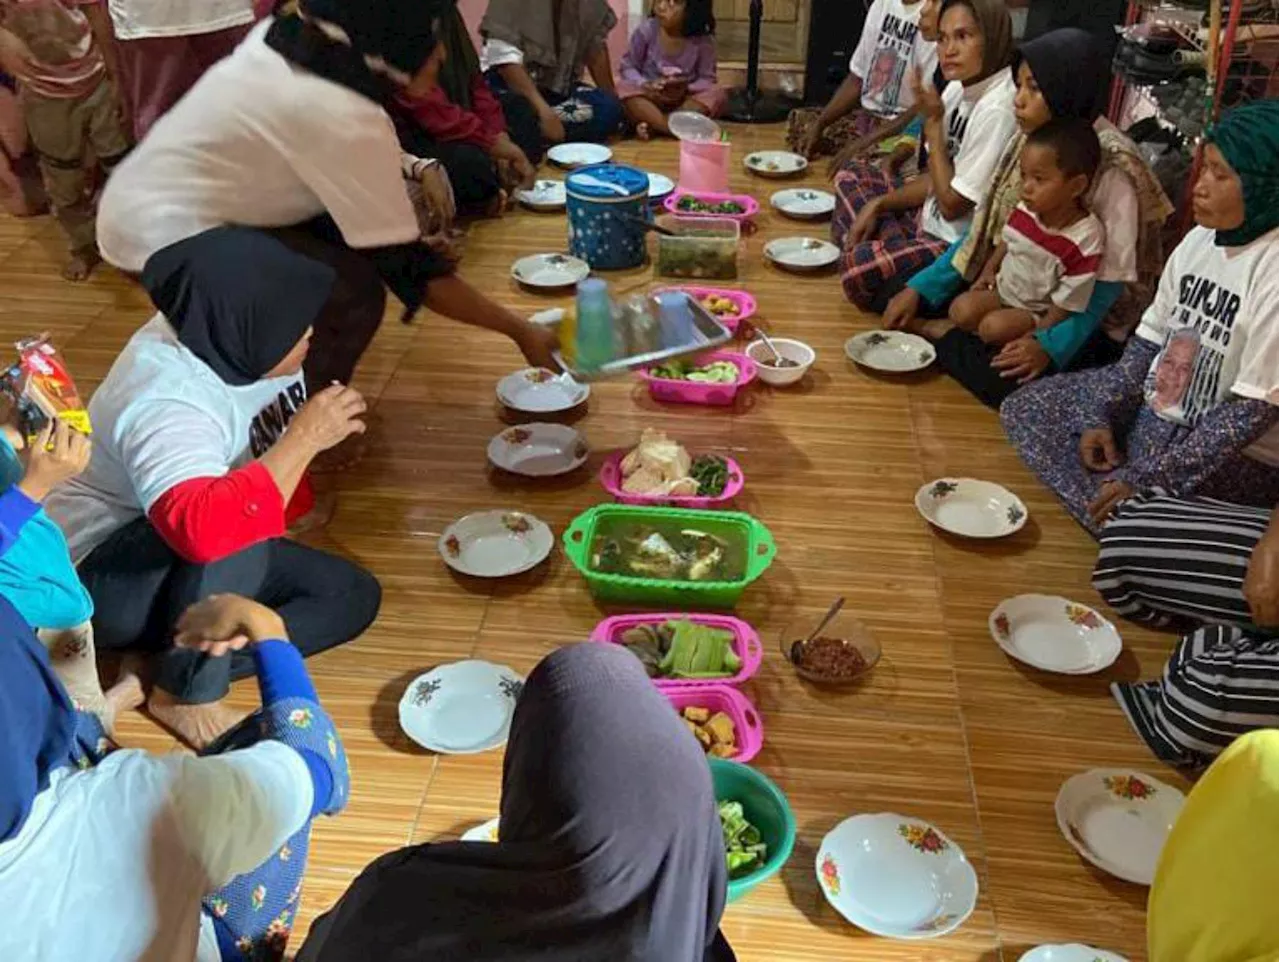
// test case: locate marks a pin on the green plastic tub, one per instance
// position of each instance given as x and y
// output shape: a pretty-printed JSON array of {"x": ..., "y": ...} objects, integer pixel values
[
  {"x": 751, "y": 551},
  {"x": 765, "y": 807}
]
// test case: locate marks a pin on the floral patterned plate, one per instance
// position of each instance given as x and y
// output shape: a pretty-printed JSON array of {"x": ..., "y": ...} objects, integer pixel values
[
  {"x": 890, "y": 352},
  {"x": 1118, "y": 819},
  {"x": 538, "y": 450},
  {"x": 543, "y": 195},
  {"x": 971, "y": 509},
  {"x": 1054, "y": 634},
  {"x": 804, "y": 203},
  {"x": 461, "y": 708},
  {"x": 495, "y": 544},
  {"x": 549, "y": 271},
  {"x": 801, "y": 253},
  {"x": 1074, "y": 952},
  {"x": 535, "y": 390},
  {"x": 896, "y": 876}
]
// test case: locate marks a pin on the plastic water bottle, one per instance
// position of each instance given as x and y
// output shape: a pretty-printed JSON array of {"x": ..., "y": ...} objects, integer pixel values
[{"x": 595, "y": 325}]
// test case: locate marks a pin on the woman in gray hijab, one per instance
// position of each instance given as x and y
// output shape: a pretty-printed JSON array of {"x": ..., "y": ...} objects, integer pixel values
[{"x": 610, "y": 845}]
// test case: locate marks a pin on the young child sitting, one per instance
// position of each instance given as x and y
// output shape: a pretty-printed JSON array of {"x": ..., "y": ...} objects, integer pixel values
[
  {"x": 1047, "y": 262},
  {"x": 671, "y": 65},
  {"x": 57, "y": 50}
]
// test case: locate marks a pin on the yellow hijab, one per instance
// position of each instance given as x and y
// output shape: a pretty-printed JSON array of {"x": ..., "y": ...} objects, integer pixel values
[{"x": 1215, "y": 893}]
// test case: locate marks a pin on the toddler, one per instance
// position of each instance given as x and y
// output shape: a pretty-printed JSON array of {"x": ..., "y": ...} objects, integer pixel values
[
  {"x": 671, "y": 65},
  {"x": 56, "y": 49},
  {"x": 1047, "y": 261}
]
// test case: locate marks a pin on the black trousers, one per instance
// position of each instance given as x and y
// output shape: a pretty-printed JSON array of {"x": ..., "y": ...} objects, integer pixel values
[
  {"x": 140, "y": 587},
  {"x": 967, "y": 358}
]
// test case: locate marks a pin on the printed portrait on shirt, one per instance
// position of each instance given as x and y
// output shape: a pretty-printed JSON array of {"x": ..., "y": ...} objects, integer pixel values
[
  {"x": 1173, "y": 370},
  {"x": 884, "y": 79}
]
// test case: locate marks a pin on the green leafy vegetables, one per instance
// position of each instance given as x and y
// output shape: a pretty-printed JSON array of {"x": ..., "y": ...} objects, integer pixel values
[
  {"x": 711, "y": 473},
  {"x": 745, "y": 850}
]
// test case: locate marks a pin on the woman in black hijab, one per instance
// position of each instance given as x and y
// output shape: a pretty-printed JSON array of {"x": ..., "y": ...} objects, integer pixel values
[
  {"x": 203, "y": 432},
  {"x": 290, "y": 135},
  {"x": 610, "y": 846}
]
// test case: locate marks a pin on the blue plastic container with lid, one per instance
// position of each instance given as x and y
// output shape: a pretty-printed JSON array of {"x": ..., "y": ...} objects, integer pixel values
[{"x": 608, "y": 206}]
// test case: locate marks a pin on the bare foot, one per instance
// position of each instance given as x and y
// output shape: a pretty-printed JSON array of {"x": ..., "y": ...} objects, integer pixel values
[
  {"x": 197, "y": 725},
  {"x": 81, "y": 264},
  {"x": 643, "y": 132}
]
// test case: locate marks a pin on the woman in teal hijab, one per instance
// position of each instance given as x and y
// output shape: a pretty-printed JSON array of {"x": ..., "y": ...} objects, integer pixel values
[{"x": 1190, "y": 409}]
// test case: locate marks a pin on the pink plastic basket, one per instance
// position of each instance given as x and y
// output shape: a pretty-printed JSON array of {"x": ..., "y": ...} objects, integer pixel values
[
  {"x": 746, "y": 643},
  {"x": 749, "y": 729},
  {"x": 750, "y": 205},
  {"x": 745, "y": 303},
  {"x": 693, "y": 392},
  {"x": 611, "y": 478}
]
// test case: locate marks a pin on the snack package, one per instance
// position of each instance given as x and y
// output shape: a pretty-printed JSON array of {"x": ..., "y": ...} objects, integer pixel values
[{"x": 40, "y": 389}]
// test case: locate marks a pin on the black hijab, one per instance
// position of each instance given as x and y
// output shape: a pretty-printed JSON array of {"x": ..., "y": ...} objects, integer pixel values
[
  {"x": 1069, "y": 71},
  {"x": 611, "y": 847},
  {"x": 366, "y": 45},
  {"x": 238, "y": 298}
]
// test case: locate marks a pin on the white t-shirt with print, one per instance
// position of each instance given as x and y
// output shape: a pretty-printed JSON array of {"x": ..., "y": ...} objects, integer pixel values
[
  {"x": 135, "y": 843},
  {"x": 1214, "y": 318},
  {"x": 979, "y": 121},
  {"x": 162, "y": 417},
  {"x": 258, "y": 142},
  {"x": 889, "y": 47},
  {"x": 135, "y": 19}
]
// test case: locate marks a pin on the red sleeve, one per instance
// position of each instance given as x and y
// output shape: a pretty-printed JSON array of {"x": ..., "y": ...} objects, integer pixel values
[
  {"x": 445, "y": 121},
  {"x": 488, "y": 109},
  {"x": 208, "y": 519}
]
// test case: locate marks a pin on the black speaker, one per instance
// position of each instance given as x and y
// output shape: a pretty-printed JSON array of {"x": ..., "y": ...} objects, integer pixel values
[{"x": 834, "y": 29}]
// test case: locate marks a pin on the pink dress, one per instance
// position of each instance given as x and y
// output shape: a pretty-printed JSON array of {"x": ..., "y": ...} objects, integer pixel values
[{"x": 645, "y": 60}]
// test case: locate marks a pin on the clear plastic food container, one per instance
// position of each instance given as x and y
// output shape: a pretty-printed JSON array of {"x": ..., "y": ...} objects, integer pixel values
[{"x": 706, "y": 248}]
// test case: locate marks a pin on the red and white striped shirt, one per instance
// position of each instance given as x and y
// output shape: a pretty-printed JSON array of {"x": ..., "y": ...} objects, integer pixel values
[{"x": 1043, "y": 267}]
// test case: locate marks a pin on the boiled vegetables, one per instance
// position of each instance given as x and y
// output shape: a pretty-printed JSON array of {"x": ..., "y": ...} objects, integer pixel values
[
  {"x": 745, "y": 849},
  {"x": 682, "y": 649}
]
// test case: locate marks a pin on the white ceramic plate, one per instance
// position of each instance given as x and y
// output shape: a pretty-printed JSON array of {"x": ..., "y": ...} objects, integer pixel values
[
  {"x": 896, "y": 876},
  {"x": 1075, "y": 952},
  {"x": 578, "y": 155},
  {"x": 543, "y": 195},
  {"x": 892, "y": 352},
  {"x": 774, "y": 163},
  {"x": 461, "y": 708},
  {"x": 972, "y": 509},
  {"x": 535, "y": 390},
  {"x": 1118, "y": 819},
  {"x": 1054, "y": 634},
  {"x": 484, "y": 832},
  {"x": 538, "y": 450},
  {"x": 549, "y": 271},
  {"x": 802, "y": 253},
  {"x": 495, "y": 544},
  {"x": 804, "y": 203},
  {"x": 660, "y": 185}
]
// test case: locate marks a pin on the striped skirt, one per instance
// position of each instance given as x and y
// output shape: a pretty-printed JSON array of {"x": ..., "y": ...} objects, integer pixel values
[
  {"x": 1172, "y": 560},
  {"x": 1220, "y": 683}
]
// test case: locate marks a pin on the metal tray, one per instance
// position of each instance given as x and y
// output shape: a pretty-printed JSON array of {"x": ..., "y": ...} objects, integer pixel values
[{"x": 709, "y": 333}]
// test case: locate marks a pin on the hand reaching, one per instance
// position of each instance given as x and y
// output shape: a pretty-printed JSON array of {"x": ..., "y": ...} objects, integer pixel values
[
  {"x": 329, "y": 418},
  {"x": 58, "y": 454},
  {"x": 223, "y": 623},
  {"x": 901, "y": 309}
]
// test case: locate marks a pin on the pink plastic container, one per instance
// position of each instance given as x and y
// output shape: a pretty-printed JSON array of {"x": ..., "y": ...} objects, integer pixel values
[
  {"x": 611, "y": 478},
  {"x": 704, "y": 165},
  {"x": 744, "y": 302},
  {"x": 746, "y": 643},
  {"x": 750, "y": 206},
  {"x": 693, "y": 392},
  {"x": 749, "y": 729}
]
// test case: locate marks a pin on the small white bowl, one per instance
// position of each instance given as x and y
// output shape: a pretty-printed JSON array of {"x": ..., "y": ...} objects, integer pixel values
[{"x": 797, "y": 351}]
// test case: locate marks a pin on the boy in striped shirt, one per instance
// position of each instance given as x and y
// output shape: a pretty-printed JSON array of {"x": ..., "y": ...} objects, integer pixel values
[{"x": 1045, "y": 267}]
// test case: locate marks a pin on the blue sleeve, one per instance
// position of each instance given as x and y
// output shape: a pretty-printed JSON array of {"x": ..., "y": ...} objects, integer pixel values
[
  {"x": 939, "y": 282},
  {"x": 16, "y": 509},
  {"x": 281, "y": 673},
  {"x": 1063, "y": 341},
  {"x": 915, "y": 128}
]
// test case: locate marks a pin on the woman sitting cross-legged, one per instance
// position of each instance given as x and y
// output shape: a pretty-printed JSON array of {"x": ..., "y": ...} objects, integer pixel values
[
  {"x": 204, "y": 431},
  {"x": 1058, "y": 75},
  {"x": 174, "y": 857},
  {"x": 1190, "y": 407},
  {"x": 889, "y": 229}
]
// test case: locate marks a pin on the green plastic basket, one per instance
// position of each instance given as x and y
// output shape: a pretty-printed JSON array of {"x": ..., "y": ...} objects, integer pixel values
[
  {"x": 680, "y": 595},
  {"x": 765, "y": 807}
]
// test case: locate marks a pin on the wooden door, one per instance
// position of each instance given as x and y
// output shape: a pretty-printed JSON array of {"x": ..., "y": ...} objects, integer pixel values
[{"x": 784, "y": 34}]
